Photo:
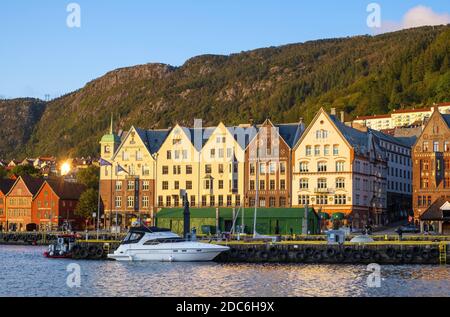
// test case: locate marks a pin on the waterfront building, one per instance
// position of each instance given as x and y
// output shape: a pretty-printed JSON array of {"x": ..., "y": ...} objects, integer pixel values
[
  {"x": 128, "y": 184},
  {"x": 19, "y": 201},
  {"x": 268, "y": 165},
  {"x": 431, "y": 172},
  {"x": 221, "y": 168},
  {"x": 400, "y": 118},
  {"x": 54, "y": 205},
  {"x": 398, "y": 151},
  {"x": 5, "y": 187},
  {"x": 340, "y": 171}
]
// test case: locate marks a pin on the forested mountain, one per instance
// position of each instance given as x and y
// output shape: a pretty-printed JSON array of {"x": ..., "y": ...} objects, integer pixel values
[{"x": 361, "y": 75}]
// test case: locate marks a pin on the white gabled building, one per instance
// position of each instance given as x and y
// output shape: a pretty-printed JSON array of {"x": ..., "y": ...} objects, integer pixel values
[{"x": 340, "y": 171}]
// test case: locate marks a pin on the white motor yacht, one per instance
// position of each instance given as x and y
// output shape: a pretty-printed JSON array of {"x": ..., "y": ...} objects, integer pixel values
[{"x": 162, "y": 245}]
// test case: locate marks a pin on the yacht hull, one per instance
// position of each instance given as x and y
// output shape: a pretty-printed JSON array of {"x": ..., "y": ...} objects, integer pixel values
[{"x": 166, "y": 256}]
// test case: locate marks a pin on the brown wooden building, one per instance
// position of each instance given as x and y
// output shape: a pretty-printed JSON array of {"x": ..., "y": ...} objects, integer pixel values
[
  {"x": 268, "y": 165},
  {"x": 431, "y": 168}
]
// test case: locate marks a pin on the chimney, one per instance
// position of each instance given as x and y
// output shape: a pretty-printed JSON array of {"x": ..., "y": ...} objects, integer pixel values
[
  {"x": 342, "y": 116},
  {"x": 333, "y": 111}
]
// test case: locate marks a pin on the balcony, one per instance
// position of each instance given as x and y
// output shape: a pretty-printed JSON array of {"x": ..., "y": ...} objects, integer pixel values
[{"x": 324, "y": 190}]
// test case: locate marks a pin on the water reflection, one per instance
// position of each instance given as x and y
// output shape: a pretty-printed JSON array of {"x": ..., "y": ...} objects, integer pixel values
[{"x": 26, "y": 273}]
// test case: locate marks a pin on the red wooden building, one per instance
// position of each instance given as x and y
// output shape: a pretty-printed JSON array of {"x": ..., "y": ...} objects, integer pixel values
[
  {"x": 54, "y": 205},
  {"x": 5, "y": 187}
]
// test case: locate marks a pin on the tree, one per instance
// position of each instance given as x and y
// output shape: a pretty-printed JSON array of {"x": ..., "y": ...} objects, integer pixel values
[
  {"x": 25, "y": 170},
  {"x": 87, "y": 204},
  {"x": 90, "y": 177}
]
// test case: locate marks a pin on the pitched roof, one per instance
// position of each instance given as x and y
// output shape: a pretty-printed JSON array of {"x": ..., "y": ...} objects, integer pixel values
[
  {"x": 153, "y": 139},
  {"x": 356, "y": 138},
  {"x": 6, "y": 185},
  {"x": 402, "y": 141},
  {"x": 434, "y": 212},
  {"x": 291, "y": 133},
  {"x": 33, "y": 184},
  {"x": 66, "y": 190},
  {"x": 446, "y": 119}
]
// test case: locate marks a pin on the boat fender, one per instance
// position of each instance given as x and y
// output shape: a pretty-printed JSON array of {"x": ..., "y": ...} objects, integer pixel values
[
  {"x": 340, "y": 257},
  {"x": 366, "y": 254},
  {"x": 274, "y": 252},
  {"x": 317, "y": 256},
  {"x": 376, "y": 256},
  {"x": 309, "y": 252},
  {"x": 300, "y": 256},
  {"x": 425, "y": 255},
  {"x": 83, "y": 253},
  {"x": 16, "y": 237},
  {"x": 434, "y": 253},
  {"x": 284, "y": 255},
  {"x": 331, "y": 252},
  {"x": 242, "y": 255},
  {"x": 348, "y": 252},
  {"x": 390, "y": 252},
  {"x": 356, "y": 255},
  {"x": 399, "y": 255},
  {"x": 264, "y": 255},
  {"x": 408, "y": 256}
]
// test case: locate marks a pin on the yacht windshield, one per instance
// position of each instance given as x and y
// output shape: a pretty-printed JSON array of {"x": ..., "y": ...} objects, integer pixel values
[
  {"x": 164, "y": 240},
  {"x": 133, "y": 237}
]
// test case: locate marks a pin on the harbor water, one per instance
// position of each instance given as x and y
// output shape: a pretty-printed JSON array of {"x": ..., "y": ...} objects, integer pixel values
[{"x": 25, "y": 272}]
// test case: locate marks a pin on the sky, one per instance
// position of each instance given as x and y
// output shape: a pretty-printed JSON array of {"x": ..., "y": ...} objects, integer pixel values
[{"x": 41, "y": 55}]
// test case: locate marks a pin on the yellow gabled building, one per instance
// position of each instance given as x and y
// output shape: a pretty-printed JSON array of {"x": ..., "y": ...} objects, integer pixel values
[{"x": 222, "y": 167}]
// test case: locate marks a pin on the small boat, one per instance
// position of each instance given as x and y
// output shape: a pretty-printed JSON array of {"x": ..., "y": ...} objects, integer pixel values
[
  {"x": 62, "y": 248},
  {"x": 162, "y": 245}
]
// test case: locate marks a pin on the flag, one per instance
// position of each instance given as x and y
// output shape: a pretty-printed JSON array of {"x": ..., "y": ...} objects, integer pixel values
[
  {"x": 121, "y": 169},
  {"x": 104, "y": 162}
]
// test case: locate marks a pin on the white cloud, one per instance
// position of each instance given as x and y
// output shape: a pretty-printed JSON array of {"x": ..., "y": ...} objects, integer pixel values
[{"x": 415, "y": 17}]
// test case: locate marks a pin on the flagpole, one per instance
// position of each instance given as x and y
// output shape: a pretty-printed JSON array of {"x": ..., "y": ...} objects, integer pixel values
[{"x": 98, "y": 206}]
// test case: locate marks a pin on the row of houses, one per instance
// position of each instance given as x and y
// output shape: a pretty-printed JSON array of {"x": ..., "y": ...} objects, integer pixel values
[
  {"x": 28, "y": 204},
  {"x": 361, "y": 176}
]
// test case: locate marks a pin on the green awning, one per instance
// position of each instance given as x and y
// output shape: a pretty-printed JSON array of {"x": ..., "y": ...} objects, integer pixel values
[
  {"x": 324, "y": 215},
  {"x": 338, "y": 216}
]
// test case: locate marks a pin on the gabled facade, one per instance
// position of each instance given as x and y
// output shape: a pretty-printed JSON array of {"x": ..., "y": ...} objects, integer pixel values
[
  {"x": 431, "y": 164},
  {"x": 128, "y": 187},
  {"x": 178, "y": 167},
  {"x": 222, "y": 167},
  {"x": 55, "y": 204},
  {"x": 5, "y": 187},
  {"x": 340, "y": 170},
  {"x": 19, "y": 203},
  {"x": 268, "y": 165}
]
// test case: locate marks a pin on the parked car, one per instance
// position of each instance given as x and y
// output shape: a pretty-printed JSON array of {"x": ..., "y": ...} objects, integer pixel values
[{"x": 411, "y": 228}]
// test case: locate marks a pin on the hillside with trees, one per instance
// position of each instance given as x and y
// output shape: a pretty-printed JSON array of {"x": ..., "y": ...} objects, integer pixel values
[{"x": 361, "y": 75}]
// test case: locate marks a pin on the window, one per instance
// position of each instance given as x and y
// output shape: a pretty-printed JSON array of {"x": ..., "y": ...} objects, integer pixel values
[
  {"x": 130, "y": 201},
  {"x": 176, "y": 170},
  {"x": 272, "y": 202},
  {"x": 204, "y": 201},
  {"x": 436, "y": 146},
  {"x": 321, "y": 134},
  {"x": 176, "y": 185},
  {"x": 220, "y": 184},
  {"x": 188, "y": 185},
  {"x": 304, "y": 167},
  {"x": 229, "y": 201},
  {"x": 118, "y": 201},
  {"x": 272, "y": 168},
  {"x": 262, "y": 202},
  {"x": 185, "y": 154},
  {"x": 208, "y": 184},
  {"x": 169, "y": 155},
  {"x": 322, "y": 200},
  {"x": 212, "y": 153},
  {"x": 425, "y": 147},
  {"x": 282, "y": 184},
  {"x": 252, "y": 169},
  {"x": 322, "y": 183},
  {"x": 130, "y": 185},
  {"x": 165, "y": 185},
  {"x": 447, "y": 146},
  {"x": 424, "y": 183},
  {"x": 208, "y": 169},
  {"x": 340, "y": 200},
  {"x": 308, "y": 150},
  {"x": 322, "y": 166},
  {"x": 221, "y": 169},
  {"x": 229, "y": 152},
  {"x": 262, "y": 185},
  {"x": 125, "y": 156},
  {"x": 145, "y": 170},
  {"x": 304, "y": 183},
  {"x": 252, "y": 185},
  {"x": 303, "y": 200},
  {"x": 340, "y": 166},
  {"x": 335, "y": 150},
  {"x": 212, "y": 201},
  {"x": 282, "y": 201},
  {"x": 220, "y": 201},
  {"x": 262, "y": 168},
  {"x": 139, "y": 156},
  {"x": 145, "y": 202},
  {"x": 146, "y": 185},
  {"x": 326, "y": 150},
  {"x": 160, "y": 201},
  {"x": 118, "y": 186},
  {"x": 238, "y": 200},
  {"x": 317, "y": 150},
  {"x": 165, "y": 170},
  {"x": 188, "y": 169},
  {"x": 176, "y": 201},
  {"x": 340, "y": 183},
  {"x": 221, "y": 153},
  {"x": 282, "y": 168},
  {"x": 272, "y": 184},
  {"x": 192, "y": 201},
  {"x": 168, "y": 201}
]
